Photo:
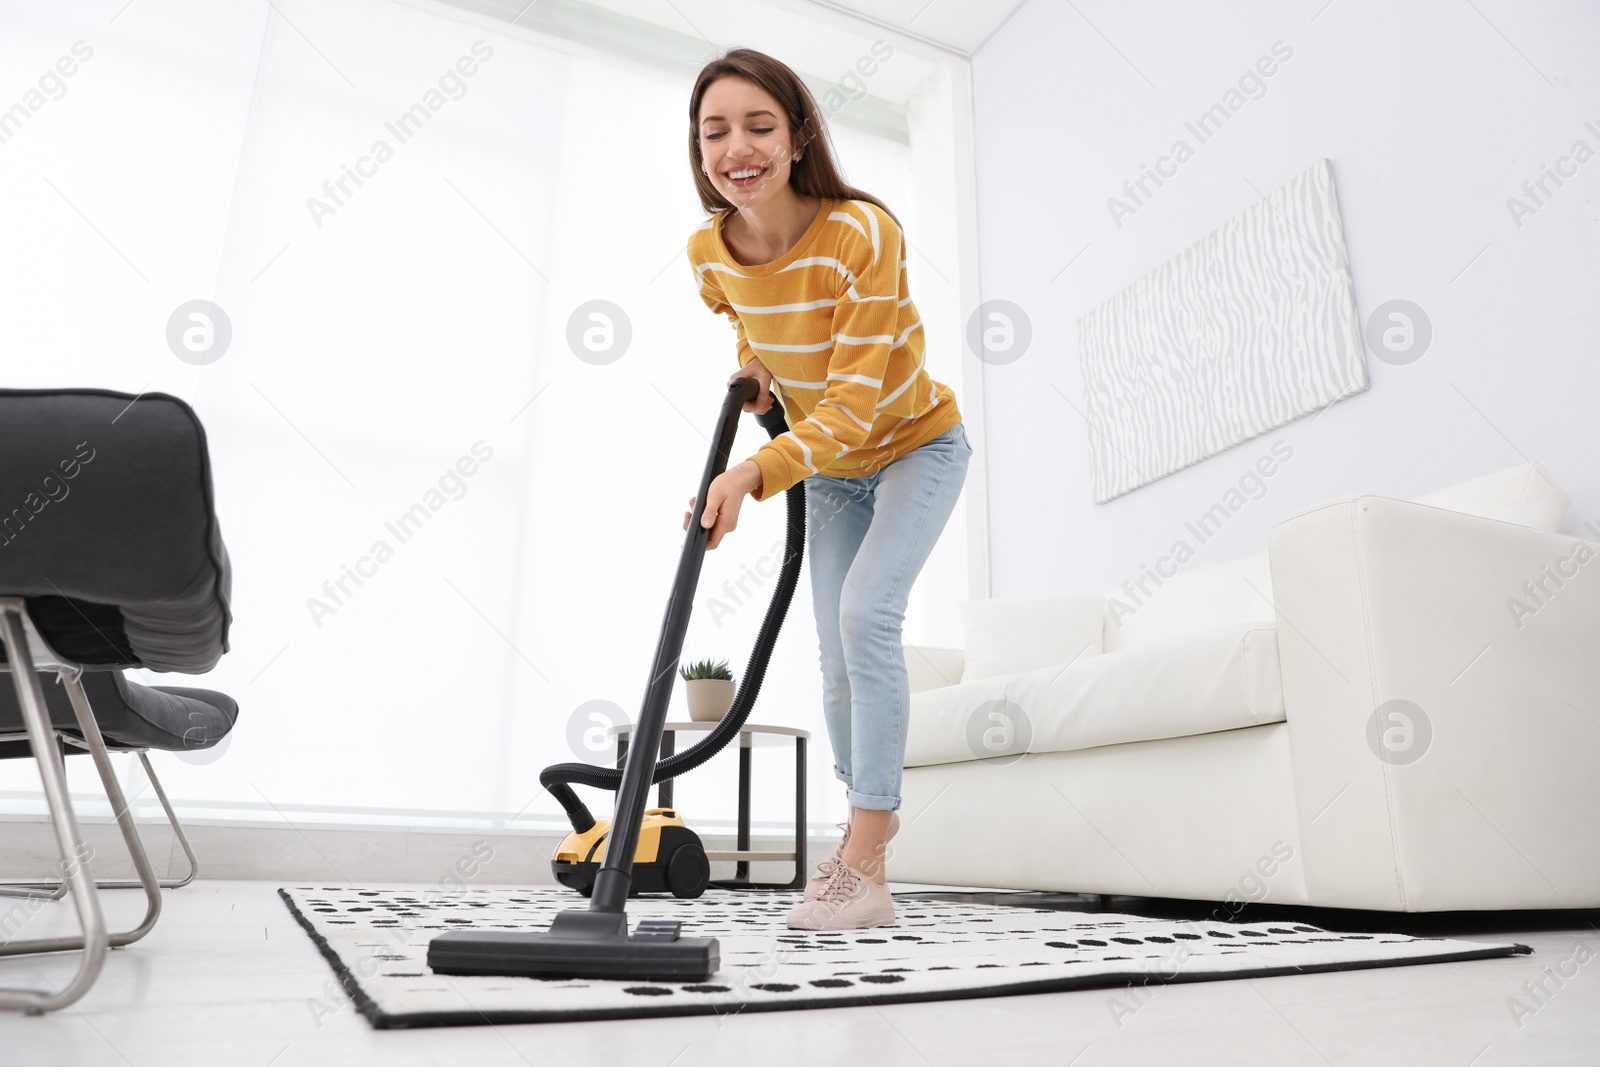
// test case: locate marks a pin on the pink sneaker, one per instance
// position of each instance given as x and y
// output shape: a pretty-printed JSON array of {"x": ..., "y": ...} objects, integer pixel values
[
  {"x": 825, "y": 868},
  {"x": 849, "y": 900}
]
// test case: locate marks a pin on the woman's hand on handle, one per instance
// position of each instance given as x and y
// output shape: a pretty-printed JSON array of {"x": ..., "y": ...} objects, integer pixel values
[
  {"x": 757, "y": 370},
  {"x": 723, "y": 499}
]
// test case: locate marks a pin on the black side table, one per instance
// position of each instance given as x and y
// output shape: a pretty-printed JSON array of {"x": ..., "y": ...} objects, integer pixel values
[{"x": 741, "y": 856}]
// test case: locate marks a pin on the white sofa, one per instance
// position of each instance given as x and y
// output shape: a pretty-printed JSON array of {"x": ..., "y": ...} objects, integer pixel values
[{"x": 1220, "y": 743}]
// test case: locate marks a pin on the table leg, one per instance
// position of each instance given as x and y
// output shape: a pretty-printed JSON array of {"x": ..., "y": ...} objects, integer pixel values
[
  {"x": 669, "y": 745},
  {"x": 746, "y": 746},
  {"x": 800, "y": 865}
]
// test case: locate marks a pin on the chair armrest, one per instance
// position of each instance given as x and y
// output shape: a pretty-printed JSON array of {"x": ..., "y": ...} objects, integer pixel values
[
  {"x": 933, "y": 666},
  {"x": 1487, "y": 796}
]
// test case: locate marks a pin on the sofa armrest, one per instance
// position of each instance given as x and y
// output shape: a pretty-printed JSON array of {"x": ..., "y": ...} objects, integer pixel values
[
  {"x": 933, "y": 666},
  {"x": 1481, "y": 791}
]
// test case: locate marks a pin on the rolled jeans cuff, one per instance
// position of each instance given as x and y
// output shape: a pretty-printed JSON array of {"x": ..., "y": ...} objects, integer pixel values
[{"x": 872, "y": 801}]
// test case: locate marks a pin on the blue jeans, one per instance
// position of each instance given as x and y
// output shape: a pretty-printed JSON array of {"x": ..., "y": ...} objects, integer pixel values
[{"x": 868, "y": 538}]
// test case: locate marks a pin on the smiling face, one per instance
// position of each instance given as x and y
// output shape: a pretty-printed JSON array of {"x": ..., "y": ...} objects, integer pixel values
[{"x": 745, "y": 144}]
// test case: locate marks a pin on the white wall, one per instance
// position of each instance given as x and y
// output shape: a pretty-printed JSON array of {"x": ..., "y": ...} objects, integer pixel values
[{"x": 1433, "y": 115}]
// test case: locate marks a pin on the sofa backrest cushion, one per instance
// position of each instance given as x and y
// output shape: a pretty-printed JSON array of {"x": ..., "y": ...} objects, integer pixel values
[
  {"x": 1240, "y": 590},
  {"x": 1010, "y": 635},
  {"x": 1218, "y": 594},
  {"x": 111, "y": 533},
  {"x": 1523, "y": 494}
]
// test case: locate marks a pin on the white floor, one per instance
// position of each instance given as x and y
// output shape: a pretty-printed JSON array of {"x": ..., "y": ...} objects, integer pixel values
[{"x": 229, "y": 980}]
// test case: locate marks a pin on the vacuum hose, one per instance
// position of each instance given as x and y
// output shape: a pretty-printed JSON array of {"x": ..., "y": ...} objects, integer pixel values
[{"x": 560, "y": 778}]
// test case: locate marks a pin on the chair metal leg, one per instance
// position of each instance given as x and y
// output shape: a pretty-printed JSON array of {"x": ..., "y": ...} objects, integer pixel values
[
  {"x": 172, "y": 820},
  {"x": 74, "y": 855},
  {"x": 95, "y": 743},
  {"x": 90, "y": 728},
  {"x": 57, "y": 890},
  {"x": 37, "y": 890}
]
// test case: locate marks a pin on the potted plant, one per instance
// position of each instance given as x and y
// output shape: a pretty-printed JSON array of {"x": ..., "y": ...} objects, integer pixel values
[{"x": 710, "y": 689}]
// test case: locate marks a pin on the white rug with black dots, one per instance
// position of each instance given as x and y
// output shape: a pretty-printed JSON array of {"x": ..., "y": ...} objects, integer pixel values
[{"x": 377, "y": 942}]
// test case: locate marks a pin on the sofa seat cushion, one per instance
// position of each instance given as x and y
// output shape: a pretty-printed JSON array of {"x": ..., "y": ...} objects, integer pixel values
[{"x": 1222, "y": 678}]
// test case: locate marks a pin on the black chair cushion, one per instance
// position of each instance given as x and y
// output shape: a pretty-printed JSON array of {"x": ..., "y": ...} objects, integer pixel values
[
  {"x": 107, "y": 528},
  {"x": 130, "y": 715}
]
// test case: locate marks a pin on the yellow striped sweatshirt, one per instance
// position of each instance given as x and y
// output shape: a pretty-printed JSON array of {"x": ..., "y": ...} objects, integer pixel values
[{"x": 832, "y": 319}]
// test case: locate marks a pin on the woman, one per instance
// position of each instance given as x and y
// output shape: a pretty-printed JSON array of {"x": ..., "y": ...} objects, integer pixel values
[{"x": 811, "y": 272}]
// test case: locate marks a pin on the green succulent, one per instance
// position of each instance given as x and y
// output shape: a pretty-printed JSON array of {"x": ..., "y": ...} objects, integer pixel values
[{"x": 706, "y": 669}]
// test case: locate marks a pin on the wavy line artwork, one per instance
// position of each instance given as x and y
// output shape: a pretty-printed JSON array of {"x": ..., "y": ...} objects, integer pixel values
[{"x": 1249, "y": 328}]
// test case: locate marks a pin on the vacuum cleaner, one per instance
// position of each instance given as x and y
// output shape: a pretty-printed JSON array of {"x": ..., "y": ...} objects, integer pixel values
[
  {"x": 669, "y": 857},
  {"x": 639, "y": 851}
]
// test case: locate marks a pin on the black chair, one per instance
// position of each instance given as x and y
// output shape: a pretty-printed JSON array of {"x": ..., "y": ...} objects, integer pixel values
[{"x": 110, "y": 557}]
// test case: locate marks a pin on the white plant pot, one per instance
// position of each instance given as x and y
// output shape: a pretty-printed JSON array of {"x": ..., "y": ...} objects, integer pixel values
[{"x": 709, "y": 698}]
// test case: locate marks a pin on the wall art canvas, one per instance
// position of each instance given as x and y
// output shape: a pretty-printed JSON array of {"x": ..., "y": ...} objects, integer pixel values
[{"x": 1249, "y": 328}]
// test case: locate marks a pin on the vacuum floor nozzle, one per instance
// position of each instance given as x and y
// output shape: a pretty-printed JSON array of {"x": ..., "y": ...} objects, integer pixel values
[{"x": 580, "y": 944}]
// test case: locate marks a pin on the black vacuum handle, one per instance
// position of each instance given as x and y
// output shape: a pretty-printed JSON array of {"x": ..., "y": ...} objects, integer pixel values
[
  {"x": 773, "y": 420},
  {"x": 615, "y": 876},
  {"x": 741, "y": 391}
]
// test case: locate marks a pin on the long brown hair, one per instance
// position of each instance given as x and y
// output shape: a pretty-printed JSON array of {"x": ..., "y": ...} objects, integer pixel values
[{"x": 814, "y": 174}]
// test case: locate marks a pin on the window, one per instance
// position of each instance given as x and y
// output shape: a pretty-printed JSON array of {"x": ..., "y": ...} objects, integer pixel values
[{"x": 450, "y": 532}]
